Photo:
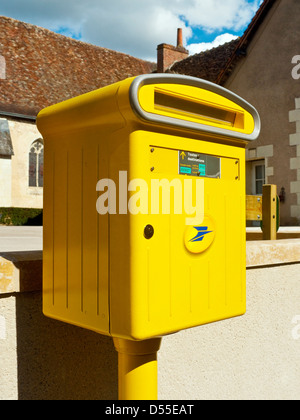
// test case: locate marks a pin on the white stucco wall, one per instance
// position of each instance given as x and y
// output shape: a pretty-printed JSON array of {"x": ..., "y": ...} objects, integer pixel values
[
  {"x": 8, "y": 349},
  {"x": 5, "y": 182},
  {"x": 23, "y": 134}
]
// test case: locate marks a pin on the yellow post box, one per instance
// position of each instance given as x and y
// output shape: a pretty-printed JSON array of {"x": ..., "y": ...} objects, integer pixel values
[
  {"x": 144, "y": 213},
  {"x": 144, "y": 206}
]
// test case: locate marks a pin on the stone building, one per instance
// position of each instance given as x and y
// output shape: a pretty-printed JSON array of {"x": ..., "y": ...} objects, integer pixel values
[
  {"x": 39, "y": 68},
  {"x": 263, "y": 67}
]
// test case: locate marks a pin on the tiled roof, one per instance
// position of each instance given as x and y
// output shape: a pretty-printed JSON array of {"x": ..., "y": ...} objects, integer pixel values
[
  {"x": 241, "y": 48},
  {"x": 217, "y": 64},
  {"x": 43, "y": 68},
  {"x": 207, "y": 64}
]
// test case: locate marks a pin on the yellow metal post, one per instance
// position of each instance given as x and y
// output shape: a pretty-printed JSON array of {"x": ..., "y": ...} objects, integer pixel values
[
  {"x": 269, "y": 210},
  {"x": 137, "y": 368}
]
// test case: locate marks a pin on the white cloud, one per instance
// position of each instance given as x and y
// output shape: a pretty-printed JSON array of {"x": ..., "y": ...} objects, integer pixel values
[
  {"x": 136, "y": 31},
  {"x": 219, "y": 14},
  {"x": 203, "y": 46},
  {"x": 133, "y": 26}
]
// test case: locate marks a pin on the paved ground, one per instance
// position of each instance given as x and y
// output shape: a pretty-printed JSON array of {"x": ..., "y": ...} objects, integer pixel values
[{"x": 21, "y": 238}]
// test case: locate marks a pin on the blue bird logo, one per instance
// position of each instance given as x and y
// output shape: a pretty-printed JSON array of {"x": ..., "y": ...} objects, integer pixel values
[{"x": 201, "y": 232}]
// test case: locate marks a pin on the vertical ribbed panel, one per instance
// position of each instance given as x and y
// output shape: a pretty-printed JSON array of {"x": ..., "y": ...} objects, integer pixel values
[{"x": 75, "y": 238}]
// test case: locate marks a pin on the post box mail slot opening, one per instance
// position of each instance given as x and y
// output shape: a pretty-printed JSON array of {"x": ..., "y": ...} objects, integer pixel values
[
  {"x": 193, "y": 108},
  {"x": 193, "y": 104}
]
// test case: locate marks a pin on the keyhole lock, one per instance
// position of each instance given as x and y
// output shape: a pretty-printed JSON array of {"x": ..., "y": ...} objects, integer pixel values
[{"x": 149, "y": 231}]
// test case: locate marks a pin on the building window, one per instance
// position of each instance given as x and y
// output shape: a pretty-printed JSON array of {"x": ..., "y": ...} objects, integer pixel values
[
  {"x": 258, "y": 177},
  {"x": 36, "y": 164}
]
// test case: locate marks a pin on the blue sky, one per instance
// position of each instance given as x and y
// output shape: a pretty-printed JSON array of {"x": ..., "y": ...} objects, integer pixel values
[{"x": 136, "y": 27}]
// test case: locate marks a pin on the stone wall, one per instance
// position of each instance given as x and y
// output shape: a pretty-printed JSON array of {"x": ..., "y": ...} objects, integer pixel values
[{"x": 256, "y": 356}]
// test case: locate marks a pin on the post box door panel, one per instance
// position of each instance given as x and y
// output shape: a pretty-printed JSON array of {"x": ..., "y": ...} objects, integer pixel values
[{"x": 184, "y": 276}]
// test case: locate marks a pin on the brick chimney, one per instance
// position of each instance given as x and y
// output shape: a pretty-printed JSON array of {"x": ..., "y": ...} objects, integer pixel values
[{"x": 167, "y": 54}]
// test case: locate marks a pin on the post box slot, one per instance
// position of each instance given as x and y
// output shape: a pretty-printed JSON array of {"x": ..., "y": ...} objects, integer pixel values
[{"x": 193, "y": 108}]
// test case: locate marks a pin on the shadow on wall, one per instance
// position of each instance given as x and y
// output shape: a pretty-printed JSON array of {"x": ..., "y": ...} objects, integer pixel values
[{"x": 57, "y": 361}]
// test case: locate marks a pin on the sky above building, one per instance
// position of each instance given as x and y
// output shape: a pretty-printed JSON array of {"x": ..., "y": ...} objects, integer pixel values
[{"x": 136, "y": 27}]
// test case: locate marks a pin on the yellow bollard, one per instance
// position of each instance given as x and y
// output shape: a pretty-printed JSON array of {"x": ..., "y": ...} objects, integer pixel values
[{"x": 137, "y": 368}]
